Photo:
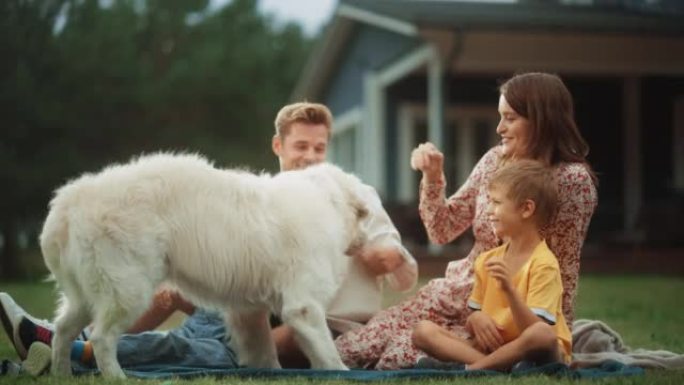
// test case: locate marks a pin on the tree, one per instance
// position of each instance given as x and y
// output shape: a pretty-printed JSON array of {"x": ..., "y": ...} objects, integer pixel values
[
  {"x": 136, "y": 76},
  {"x": 27, "y": 48}
]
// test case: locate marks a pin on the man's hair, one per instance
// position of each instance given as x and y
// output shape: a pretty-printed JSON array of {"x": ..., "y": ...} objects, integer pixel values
[
  {"x": 529, "y": 179},
  {"x": 303, "y": 112}
]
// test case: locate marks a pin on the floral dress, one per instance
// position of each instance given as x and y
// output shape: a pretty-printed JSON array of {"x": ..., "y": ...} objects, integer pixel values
[{"x": 385, "y": 341}]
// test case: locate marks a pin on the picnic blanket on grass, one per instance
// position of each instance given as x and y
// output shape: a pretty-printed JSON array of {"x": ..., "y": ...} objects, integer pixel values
[
  {"x": 598, "y": 351},
  {"x": 594, "y": 342},
  {"x": 606, "y": 369}
]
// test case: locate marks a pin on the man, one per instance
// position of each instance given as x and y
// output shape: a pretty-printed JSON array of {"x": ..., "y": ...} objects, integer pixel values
[
  {"x": 302, "y": 136},
  {"x": 301, "y": 139}
]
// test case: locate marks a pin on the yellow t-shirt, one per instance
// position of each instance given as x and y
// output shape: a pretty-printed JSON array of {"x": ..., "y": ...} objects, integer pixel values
[{"x": 538, "y": 282}]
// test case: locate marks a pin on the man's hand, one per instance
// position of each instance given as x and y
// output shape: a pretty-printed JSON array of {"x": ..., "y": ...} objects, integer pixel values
[
  {"x": 380, "y": 260},
  {"x": 170, "y": 299},
  {"x": 165, "y": 298},
  {"x": 428, "y": 159},
  {"x": 498, "y": 269},
  {"x": 486, "y": 332}
]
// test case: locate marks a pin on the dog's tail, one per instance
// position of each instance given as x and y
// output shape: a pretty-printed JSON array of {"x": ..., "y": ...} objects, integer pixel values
[{"x": 53, "y": 238}]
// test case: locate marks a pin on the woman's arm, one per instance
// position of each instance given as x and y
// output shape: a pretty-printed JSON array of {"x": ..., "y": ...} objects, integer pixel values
[{"x": 446, "y": 219}]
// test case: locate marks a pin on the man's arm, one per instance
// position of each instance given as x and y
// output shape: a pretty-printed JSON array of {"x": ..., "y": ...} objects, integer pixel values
[
  {"x": 391, "y": 260},
  {"x": 384, "y": 253},
  {"x": 165, "y": 302}
]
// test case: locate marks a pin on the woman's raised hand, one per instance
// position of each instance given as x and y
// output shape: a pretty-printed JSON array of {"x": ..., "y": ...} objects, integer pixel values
[{"x": 428, "y": 159}]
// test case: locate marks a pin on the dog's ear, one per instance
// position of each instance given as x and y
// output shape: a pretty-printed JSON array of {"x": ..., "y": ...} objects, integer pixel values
[
  {"x": 361, "y": 211},
  {"x": 358, "y": 206},
  {"x": 353, "y": 203},
  {"x": 351, "y": 186},
  {"x": 359, "y": 237},
  {"x": 356, "y": 246}
]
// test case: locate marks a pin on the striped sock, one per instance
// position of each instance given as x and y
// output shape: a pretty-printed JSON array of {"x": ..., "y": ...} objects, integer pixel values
[
  {"x": 82, "y": 351},
  {"x": 30, "y": 332}
]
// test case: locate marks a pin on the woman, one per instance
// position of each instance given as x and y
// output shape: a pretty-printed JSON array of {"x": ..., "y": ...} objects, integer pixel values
[{"x": 537, "y": 122}]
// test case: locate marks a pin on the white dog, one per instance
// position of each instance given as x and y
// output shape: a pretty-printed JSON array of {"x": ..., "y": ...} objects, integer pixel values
[{"x": 228, "y": 239}]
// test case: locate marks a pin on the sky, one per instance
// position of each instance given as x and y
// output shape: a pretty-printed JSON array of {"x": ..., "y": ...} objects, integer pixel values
[{"x": 310, "y": 14}]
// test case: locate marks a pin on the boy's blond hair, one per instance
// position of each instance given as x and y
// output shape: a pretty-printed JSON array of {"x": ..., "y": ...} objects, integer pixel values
[
  {"x": 529, "y": 179},
  {"x": 305, "y": 112}
]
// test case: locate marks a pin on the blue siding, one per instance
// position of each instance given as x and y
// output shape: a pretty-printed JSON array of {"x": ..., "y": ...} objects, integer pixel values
[{"x": 369, "y": 48}]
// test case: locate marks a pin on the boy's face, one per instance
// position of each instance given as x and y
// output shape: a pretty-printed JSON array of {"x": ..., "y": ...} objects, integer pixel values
[
  {"x": 304, "y": 145},
  {"x": 505, "y": 215}
]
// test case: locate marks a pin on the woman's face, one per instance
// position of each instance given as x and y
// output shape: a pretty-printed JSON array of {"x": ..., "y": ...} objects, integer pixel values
[{"x": 514, "y": 130}]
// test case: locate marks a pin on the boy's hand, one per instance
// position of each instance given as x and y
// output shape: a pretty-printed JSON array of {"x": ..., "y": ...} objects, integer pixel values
[
  {"x": 486, "y": 332},
  {"x": 498, "y": 269}
]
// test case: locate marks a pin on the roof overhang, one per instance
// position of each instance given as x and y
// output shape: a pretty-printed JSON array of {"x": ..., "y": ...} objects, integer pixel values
[
  {"x": 327, "y": 51},
  {"x": 480, "y": 21}
]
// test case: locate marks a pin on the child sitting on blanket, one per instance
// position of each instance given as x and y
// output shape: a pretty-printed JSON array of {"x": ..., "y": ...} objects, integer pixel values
[{"x": 517, "y": 290}]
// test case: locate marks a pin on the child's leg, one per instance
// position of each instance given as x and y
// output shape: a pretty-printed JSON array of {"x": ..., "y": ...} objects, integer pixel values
[
  {"x": 443, "y": 345},
  {"x": 538, "y": 343}
]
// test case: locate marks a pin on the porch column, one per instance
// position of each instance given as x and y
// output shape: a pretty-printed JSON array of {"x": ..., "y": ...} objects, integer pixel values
[
  {"x": 435, "y": 106},
  {"x": 435, "y": 100},
  {"x": 407, "y": 177},
  {"x": 372, "y": 155},
  {"x": 465, "y": 145}
]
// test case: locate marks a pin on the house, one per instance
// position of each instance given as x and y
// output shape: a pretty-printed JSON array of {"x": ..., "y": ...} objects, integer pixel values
[{"x": 396, "y": 73}]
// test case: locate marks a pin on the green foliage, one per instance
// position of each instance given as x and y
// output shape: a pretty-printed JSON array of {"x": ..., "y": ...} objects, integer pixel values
[{"x": 83, "y": 85}]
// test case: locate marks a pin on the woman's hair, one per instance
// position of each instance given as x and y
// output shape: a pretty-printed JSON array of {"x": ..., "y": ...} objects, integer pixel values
[
  {"x": 546, "y": 103},
  {"x": 525, "y": 179},
  {"x": 303, "y": 112}
]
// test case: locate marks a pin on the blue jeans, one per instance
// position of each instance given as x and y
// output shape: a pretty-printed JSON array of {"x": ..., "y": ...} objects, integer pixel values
[{"x": 202, "y": 341}]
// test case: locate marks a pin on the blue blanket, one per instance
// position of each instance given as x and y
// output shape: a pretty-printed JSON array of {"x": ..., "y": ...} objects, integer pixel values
[{"x": 607, "y": 369}]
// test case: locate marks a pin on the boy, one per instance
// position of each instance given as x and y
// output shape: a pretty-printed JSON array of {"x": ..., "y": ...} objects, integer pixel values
[{"x": 516, "y": 296}]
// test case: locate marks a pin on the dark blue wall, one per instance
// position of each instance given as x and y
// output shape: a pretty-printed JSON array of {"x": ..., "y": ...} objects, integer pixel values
[{"x": 369, "y": 48}]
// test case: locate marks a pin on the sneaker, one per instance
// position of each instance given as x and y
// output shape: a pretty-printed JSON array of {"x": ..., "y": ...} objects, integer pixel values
[
  {"x": 30, "y": 332},
  {"x": 522, "y": 366},
  {"x": 11, "y": 315},
  {"x": 9, "y": 368},
  {"x": 38, "y": 359},
  {"x": 433, "y": 363}
]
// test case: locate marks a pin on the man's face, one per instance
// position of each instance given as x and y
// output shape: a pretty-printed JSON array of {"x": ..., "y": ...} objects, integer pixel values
[{"x": 305, "y": 144}]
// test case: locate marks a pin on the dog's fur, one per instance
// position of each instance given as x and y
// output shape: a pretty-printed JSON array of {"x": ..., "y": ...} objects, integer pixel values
[{"x": 244, "y": 243}]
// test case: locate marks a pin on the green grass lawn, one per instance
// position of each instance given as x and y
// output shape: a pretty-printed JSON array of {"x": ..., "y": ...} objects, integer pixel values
[{"x": 647, "y": 311}]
